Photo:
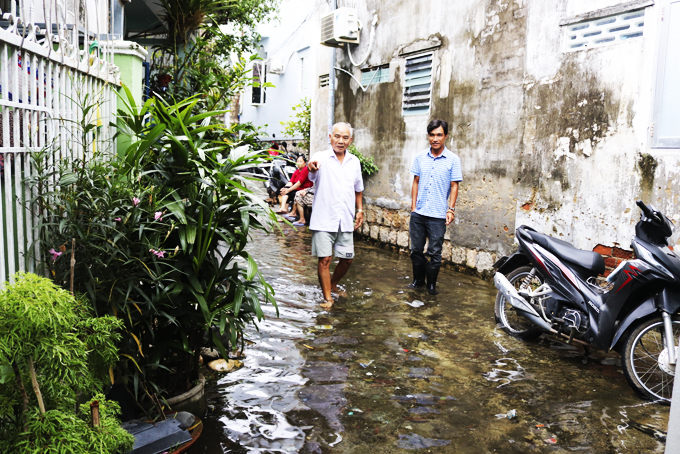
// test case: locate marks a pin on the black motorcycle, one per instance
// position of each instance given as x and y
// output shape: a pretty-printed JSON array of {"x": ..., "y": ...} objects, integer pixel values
[{"x": 551, "y": 286}]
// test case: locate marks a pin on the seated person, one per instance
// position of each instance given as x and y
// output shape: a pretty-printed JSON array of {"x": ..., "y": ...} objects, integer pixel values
[
  {"x": 303, "y": 198},
  {"x": 299, "y": 180}
]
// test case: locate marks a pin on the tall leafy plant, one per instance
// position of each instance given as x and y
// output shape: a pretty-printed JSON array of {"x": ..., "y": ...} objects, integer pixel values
[{"x": 160, "y": 240}]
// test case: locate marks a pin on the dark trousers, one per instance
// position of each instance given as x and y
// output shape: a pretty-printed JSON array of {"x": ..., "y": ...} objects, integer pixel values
[{"x": 422, "y": 227}]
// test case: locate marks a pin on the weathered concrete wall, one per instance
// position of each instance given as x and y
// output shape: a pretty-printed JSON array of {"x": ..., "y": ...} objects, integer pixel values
[{"x": 557, "y": 140}]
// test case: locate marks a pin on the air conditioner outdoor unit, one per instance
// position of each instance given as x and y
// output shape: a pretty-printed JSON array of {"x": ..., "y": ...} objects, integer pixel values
[
  {"x": 340, "y": 26},
  {"x": 275, "y": 66}
]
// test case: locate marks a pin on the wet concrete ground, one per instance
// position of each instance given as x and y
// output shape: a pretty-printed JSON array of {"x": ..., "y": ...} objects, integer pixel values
[{"x": 381, "y": 373}]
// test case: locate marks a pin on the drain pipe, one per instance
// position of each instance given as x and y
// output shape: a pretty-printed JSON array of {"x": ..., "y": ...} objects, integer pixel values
[{"x": 331, "y": 85}]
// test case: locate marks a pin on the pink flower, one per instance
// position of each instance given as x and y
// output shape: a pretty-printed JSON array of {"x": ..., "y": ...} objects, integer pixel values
[
  {"x": 117, "y": 219},
  {"x": 135, "y": 201},
  {"x": 158, "y": 216},
  {"x": 159, "y": 254},
  {"x": 55, "y": 254}
]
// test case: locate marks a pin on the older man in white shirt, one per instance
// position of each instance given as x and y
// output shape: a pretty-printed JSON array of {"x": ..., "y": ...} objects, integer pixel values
[{"x": 336, "y": 175}]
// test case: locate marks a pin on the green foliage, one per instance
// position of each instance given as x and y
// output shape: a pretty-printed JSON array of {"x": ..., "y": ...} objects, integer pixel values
[
  {"x": 50, "y": 338},
  {"x": 160, "y": 238},
  {"x": 301, "y": 124},
  {"x": 58, "y": 431},
  {"x": 368, "y": 166}
]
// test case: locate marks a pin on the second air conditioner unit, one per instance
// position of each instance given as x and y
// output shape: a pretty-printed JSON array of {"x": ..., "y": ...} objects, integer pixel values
[{"x": 340, "y": 26}]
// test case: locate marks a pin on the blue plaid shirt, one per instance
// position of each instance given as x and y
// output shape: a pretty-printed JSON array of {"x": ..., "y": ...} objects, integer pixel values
[{"x": 434, "y": 186}]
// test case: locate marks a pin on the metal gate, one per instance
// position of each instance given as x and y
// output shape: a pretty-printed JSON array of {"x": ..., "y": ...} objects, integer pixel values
[{"x": 53, "y": 55}]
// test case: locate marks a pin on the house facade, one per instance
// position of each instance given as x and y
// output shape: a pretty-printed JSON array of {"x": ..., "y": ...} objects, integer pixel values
[
  {"x": 563, "y": 112},
  {"x": 288, "y": 51}
]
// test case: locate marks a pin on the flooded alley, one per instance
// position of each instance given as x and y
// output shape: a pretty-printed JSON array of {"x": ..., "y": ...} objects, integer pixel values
[{"x": 390, "y": 370}]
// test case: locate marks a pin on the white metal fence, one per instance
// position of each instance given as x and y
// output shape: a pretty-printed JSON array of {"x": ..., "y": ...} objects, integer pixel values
[{"x": 52, "y": 55}]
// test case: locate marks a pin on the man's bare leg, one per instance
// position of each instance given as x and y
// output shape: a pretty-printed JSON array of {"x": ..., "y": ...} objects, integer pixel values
[
  {"x": 324, "y": 272},
  {"x": 339, "y": 273}
]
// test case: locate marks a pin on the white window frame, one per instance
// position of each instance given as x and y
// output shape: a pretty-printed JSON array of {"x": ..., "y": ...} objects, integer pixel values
[
  {"x": 418, "y": 81},
  {"x": 263, "y": 80},
  {"x": 663, "y": 84}
]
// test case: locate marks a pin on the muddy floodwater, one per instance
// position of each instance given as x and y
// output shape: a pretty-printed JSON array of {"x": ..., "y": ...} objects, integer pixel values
[{"x": 389, "y": 370}]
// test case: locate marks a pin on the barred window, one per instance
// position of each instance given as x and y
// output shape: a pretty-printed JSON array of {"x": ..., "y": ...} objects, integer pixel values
[{"x": 417, "y": 85}]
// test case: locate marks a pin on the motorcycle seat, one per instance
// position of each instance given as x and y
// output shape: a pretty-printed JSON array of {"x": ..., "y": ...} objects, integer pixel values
[{"x": 585, "y": 263}]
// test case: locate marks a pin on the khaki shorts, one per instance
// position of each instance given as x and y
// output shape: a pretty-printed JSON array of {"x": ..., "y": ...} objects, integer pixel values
[{"x": 323, "y": 244}]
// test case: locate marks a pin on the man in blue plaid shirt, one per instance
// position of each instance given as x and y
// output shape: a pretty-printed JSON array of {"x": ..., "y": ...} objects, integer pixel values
[{"x": 436, "y": 174}]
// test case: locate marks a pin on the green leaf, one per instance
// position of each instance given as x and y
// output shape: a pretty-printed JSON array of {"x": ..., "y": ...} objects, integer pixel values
[{"x": 252, "y": 268}]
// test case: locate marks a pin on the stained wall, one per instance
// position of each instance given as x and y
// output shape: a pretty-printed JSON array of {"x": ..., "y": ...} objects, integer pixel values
[{"x": 549, "y": 138}]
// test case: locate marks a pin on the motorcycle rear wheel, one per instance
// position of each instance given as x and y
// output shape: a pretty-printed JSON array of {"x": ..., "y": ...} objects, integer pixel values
[
  {"x": 644, "y": 359},
  {"x": 506, "y": 314}
]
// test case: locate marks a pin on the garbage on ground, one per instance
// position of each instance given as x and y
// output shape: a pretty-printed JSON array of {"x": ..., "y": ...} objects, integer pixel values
[
  {"x": 551, "y": 441},
  {"x": 210, "y": 354},
  {"x": 221, "y": 365},
  {"x": 415, "y": 303},
  {"x": 365, "y": 365},
  {"x": 512, "y": 414},
  {"x": 323, "y": 326}
]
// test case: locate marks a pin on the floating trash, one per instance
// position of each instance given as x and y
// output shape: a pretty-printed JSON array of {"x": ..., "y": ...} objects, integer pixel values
[
  {"x": 512, "y": 414},
  {"x": 221, "y": 365},
  {"x": 415, "y": 441},
  {"x": 323, "y": 326},
  {"x": 415, "y": 303}
]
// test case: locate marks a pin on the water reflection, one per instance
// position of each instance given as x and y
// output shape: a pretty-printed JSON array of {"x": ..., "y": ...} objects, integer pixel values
[{"x": 390, "y": 370}]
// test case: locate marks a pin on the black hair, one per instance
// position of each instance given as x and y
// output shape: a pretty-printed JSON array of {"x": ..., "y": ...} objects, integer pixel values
[
  {"x": 434, "y": 124},
  {"x": 301, "y": 155}
]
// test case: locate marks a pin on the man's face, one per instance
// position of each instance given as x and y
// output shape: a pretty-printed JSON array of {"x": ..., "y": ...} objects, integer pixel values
[
  {"x": 340, "y": 138},
  {"x": 437, "y": 138}
]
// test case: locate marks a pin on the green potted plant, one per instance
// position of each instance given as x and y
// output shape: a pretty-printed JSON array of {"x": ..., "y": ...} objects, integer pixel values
[
  {"x": 160, "y": 241},
  {"x": 55, "y": 353}
]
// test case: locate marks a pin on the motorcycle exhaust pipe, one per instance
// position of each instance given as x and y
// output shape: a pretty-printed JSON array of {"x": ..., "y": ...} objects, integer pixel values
[{"x": 510, "y": 293}]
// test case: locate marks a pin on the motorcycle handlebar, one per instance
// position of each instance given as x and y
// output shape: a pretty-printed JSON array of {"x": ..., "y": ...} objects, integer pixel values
[{"x": 645, "y": 209}]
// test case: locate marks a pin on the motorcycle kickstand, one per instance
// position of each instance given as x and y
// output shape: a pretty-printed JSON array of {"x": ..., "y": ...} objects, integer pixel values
[
  {"x": 668, "y": 338},
  {"x": 571, "y": 336}
]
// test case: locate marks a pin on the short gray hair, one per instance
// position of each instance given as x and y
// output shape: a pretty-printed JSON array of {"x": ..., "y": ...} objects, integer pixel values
[{"x": 342, "y": 123}]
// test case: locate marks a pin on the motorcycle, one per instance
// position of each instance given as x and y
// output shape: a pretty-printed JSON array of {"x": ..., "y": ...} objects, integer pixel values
[{"x": 550, "y": 286}]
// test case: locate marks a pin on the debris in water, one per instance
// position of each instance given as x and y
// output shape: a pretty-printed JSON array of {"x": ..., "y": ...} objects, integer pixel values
[
  {"x": 503, "y": 349},
  {"x": 552, "y": 440},
  {"x": 415, "y": 303},
  {"x": 415, "y": 441},
  {"x": 221, "y": 365},
  {"x": 365, "y": 365},
  {"x": 311, "y": 348},
  {"x": 323, "y": 326}
]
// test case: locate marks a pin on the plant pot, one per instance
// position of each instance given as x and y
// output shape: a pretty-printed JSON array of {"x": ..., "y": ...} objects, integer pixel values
[{"x": 192, "y": 401}]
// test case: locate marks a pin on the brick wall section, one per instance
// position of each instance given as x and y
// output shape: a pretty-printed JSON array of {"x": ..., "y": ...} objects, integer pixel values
[
  {"x": 613, "y": 256},
  {"x": 389, "y": 228}
]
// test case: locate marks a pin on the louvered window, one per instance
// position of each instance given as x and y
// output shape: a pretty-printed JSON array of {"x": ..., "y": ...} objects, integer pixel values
[
  {"x": 417, "y": 85},
  {"x": 324, "y": 80},
  {"x": 605, "y": 30},
  {"x": 375, "y": 76}
]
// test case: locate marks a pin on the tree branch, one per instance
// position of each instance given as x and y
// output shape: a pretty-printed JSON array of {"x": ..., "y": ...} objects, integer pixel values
[{"x": 36, "y": 388}]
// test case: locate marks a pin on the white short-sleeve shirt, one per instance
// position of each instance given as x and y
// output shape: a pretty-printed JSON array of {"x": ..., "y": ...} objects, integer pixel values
[{"x": 336, "y": 186}]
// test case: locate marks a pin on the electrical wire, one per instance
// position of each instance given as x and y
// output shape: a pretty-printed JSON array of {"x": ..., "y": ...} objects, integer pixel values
[{"x": 374, "y": 24}]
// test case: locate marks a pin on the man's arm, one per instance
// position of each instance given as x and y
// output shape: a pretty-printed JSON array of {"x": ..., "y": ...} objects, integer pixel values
[
  {"x": 359, "y": 218},
  {"x": 414, "y": 193},
  {"x": 452, "y": 202}
]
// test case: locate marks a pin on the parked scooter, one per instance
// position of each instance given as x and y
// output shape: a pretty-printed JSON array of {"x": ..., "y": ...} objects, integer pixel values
[{"x": 551, "y": 286}]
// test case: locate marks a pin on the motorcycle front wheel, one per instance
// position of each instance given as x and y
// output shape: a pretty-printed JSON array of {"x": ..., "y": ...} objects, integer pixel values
[
  {"x": 506, "y": 315},
  {"x": 645, "y": 359}
]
